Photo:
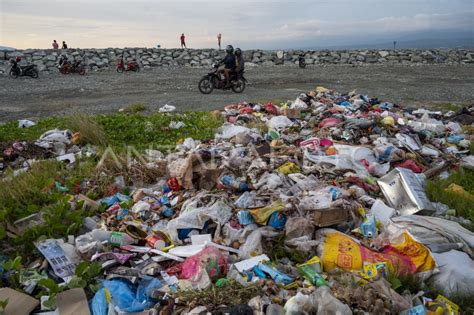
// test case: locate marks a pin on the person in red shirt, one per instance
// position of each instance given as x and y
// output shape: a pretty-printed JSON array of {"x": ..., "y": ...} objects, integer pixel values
[
  {"x": 55, "y": 45},
  {"x": 183, "y": 43}
]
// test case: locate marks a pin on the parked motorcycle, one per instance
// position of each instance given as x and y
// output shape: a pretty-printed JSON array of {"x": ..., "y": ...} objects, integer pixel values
[
  {"x": 130, "y": 66},
  {"x": 20, "y": 71},
  {"x": 215, "y": 80},
  {"x": 66, "y": 67}
]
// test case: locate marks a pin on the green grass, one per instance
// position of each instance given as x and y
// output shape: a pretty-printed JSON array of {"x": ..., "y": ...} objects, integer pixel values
[
  {"x": 464, "y": 206},
  {"x": 35, "y": 191},
  {"x": 11, "y": 132},
  {"x": 135, "y": 108},
  {"x": 140, "y": 131}
]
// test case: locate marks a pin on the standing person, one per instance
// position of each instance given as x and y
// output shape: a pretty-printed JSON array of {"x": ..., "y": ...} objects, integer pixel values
[
  {"x": 183, "y": 43},
  {"x": 219, "y": 37},
  {"x": 55, "y": 45},
  {"x": 64, "y": 45}
]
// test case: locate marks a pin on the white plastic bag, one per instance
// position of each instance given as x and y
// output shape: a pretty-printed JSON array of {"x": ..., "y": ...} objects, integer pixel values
[
  {"x": 328, "y": 304},
  {"x": 228, "y": 131},
  {"x": 456, "y": 274},
  {"x": 167, "y": 108},
  {"x": 279, "y": 122}
]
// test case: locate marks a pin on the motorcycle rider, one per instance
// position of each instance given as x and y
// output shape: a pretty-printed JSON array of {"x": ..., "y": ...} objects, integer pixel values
[
  {"x": 229, "y": 64},
  {"x": 239, "y": 60}
]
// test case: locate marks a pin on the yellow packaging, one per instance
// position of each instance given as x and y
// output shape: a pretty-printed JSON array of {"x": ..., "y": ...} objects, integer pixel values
[
  {"x": 443, "y": 306},
  {"x": 405, "y": 257},
  {"x": 289, "y": 168},
  {"x": 261, "y": 215}
]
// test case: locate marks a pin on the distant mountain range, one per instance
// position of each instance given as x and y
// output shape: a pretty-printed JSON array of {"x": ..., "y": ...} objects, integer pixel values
[
  {"x": 6, "y": 48},
  {"x": 427, "y": 40}
]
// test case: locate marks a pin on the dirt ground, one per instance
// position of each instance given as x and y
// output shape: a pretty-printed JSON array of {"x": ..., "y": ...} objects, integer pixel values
[{"x": 105, "y": 92}]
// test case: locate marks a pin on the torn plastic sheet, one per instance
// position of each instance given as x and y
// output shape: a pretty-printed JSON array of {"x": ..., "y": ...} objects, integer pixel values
[{"x": 194, "y": 217}]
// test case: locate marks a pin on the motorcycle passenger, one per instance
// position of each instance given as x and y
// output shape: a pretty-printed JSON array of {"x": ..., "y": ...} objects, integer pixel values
[
  {"x": 229, "y": 63},
  {"x": 239, "y": 60}
]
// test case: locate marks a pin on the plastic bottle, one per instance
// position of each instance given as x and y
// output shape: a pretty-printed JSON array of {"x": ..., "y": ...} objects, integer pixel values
[
  {"x": 113, "y": 238},
  {"x": 230, "y": 181},
  {"x": 312, "y": 276}
]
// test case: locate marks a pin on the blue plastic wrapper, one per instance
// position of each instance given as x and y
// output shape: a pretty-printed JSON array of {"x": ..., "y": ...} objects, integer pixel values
[
  {"x": 118, "y": 197},
  {"x": 128, "y": 298},
  {"x": 277, "y": 220},
  {"x": 98, "y": 304},
  {"x": 245, "y": 218},
  {"x": 167, "y": 212},
  {"x": 417, "y": 310},
  {"x": 455, "y": 138}
]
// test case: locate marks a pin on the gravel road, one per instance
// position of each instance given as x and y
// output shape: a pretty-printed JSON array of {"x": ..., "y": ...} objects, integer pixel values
[{"x": 102, "y": 92}]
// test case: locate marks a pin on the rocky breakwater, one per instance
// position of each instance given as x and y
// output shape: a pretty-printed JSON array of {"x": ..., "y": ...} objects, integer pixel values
[{"x": 103, "y": 59}]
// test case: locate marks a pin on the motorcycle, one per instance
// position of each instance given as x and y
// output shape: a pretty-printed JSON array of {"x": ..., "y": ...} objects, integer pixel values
[
  {"x": 216, "y": 80},
  {"x": 130, "y": 66},
  {"x": 66, "y": 67},
  {"x": 20, "y": 71},
  {"x": 302, "y": 62}
]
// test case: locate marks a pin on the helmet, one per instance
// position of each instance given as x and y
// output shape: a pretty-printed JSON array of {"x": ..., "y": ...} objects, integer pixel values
[
  {"x": 229, "y": 49},
  {"x": 238, "y": 52},
  {"x": 18, "y": 58}
]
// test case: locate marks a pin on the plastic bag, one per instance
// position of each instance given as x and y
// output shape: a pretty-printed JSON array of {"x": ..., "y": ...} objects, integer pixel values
[
  {"x": 279, "y": 122},
  {"x": 402, "y": 253},
  {"x": 456, "y": 276},
  {"x": 126, "y": 297},
  {"x": 210, "y": 260},
  {"x": 194, "y": 217},
  {"x": 167, "y": 108},
  {"x": 99, "y": 304},
  {"x": 299, "y": 104},
  {"x": 228, "y": 131},
  {"x": 328, "y": 304},
  {"x": 253, "y": 243},
  {"x": 25, "y": 123},
  {"x": 297, "y": 227},
  {"x": 433, "y": 230}
]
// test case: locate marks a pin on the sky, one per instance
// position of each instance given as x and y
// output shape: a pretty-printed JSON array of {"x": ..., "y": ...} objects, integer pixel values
[{"x": 266, "y": 24}]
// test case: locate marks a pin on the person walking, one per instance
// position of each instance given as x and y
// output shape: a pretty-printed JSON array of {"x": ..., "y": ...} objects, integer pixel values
[
  {"x": 64, "y": 45},
  {"x": 55, "y": 45},
  {"x": 183, "y": 42},
  {"x": 219, "y": 37}
]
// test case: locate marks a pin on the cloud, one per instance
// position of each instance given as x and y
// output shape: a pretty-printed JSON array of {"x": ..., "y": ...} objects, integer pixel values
[
  {"x": 389, "y": 24},
  {"x": 245, "y": 23}
]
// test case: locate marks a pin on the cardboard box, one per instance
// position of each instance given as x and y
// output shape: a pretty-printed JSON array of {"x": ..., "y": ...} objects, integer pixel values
[{"x": 330, "y": 216}]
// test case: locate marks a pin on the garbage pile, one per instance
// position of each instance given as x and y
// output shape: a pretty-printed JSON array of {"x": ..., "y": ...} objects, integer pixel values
[
  {"x": 316, "y": 206},
  {"x": 62, "y": 145}
]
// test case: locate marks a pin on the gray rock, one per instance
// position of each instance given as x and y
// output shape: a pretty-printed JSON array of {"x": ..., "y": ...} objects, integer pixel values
[{"x": 384, "y": 53}]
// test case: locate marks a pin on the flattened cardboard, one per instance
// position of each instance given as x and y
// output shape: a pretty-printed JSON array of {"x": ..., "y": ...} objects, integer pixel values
[
  {"x": 18, "y": 303},
  {"x": 73, "y": 302},
  {"x": 327, "y": 217}
]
